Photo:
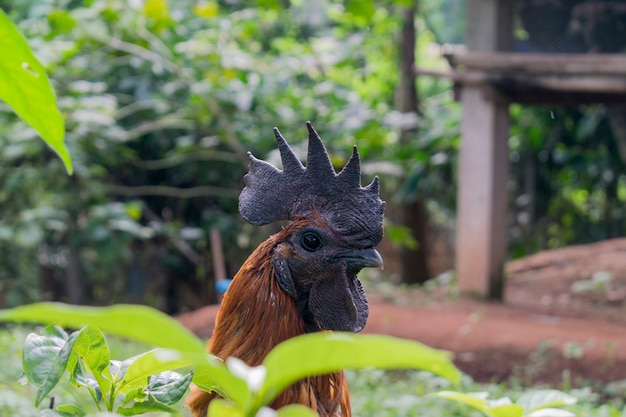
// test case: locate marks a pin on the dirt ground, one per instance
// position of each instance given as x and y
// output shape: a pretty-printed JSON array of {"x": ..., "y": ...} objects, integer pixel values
[{"x": 563, "y": 319}]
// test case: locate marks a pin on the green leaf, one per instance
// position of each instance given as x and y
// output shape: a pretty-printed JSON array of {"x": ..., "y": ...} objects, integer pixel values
[
  {"x": 25, "y": 87},
  {"x": 72, "y": 409},
  {"x": 210, "y": 373},
  {"x": 505, "y": 410},
  {"x": 136, "y": 394},
  {"x": 538, "y": 399},
  {"x": 40, "y": 352},
  {"x": 150, "y": 404},
  {"x": 77, "y": 378},
  {"x": 136, "y": 322},
  {"x": 92, "y": 348},
  {"x": 141, "y": 367},
  {"x": 478, "y": 400},
  {"x": 169, "y": 387},
  {"x": 223, "y": 408},
  {"x": 214, "y": 376},
  {"x": 361, "y": 8},
  {"x": 296, "y": 410},
  {"x": 332, "y": 352},
  {"x": 45, "y": 358}
]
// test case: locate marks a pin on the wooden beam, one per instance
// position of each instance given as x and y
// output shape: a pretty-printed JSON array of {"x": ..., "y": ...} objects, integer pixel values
[{"x": 563, "y": 64}]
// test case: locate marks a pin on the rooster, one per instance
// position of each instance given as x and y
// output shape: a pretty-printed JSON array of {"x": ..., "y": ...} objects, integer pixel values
[{"x": 304, "y": 278}]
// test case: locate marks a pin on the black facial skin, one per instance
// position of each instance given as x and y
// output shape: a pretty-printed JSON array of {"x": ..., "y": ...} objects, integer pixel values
[{"x": 319, "y": 268}]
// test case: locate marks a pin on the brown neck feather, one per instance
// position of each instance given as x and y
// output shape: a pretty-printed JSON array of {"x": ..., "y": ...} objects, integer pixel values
[{"x": 254, "y": 317}]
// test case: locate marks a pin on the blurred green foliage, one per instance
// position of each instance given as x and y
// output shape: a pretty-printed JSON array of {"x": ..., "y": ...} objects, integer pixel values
[{"x": 162, "y": 100}]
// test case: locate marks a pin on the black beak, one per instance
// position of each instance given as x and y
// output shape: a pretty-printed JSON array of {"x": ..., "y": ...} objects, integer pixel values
[{"x": 361, "y": 258}]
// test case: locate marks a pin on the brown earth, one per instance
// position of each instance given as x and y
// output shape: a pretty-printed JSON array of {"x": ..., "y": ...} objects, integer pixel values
[{"x": 564, "y": 318}]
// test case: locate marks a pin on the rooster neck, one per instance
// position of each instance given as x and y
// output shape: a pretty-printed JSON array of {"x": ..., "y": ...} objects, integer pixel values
[{"x": 255, "y": 316}]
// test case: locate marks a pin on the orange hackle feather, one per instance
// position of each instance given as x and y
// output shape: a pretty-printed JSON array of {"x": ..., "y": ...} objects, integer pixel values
[{"x": 255, "y": 316}]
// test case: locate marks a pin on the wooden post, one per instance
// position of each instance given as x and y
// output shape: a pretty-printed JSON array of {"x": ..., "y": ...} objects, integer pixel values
[
  {"x": 483, "y": 162},
  {"x": 482, "y": 198}
]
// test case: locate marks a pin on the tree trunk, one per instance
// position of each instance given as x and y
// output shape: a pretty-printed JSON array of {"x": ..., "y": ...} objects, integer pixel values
[{"x": 413, "y": 261}]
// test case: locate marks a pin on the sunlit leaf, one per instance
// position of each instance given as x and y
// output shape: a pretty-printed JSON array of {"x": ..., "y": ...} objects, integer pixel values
[
  {"x": 72, "y": 409},
  {"x": 331, "y": 352},
  {"x": 25, "y": 87},
  {"x": 507, "y": 410},
  {"x": 296, "y": 410},
  {"x": 138, "y": 369},
  {"x": 136, "y": 322},
  {"x": 223, "y": 408},
  {"x": 362, "y": 8},
  {"x": 477, "y": 400},
  {"x": 206, "y": 9},
  {"x": 210, "y": 373},
  {"x": 156, "y": 9},
  {"x": 94, "y": 352}
]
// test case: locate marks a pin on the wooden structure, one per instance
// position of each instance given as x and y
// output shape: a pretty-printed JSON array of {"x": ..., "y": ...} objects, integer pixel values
[{"x": 488, "y": 77}]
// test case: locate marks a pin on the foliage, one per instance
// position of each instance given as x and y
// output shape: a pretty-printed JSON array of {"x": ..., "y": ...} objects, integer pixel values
[
  {"x": 24, "y": 86},
  {"x": 374, "y": 393},
  {"x": 86, "y": 356},
  {"x": 247, "y": 390},
  {"x": 530, "y": 404},
  {"x": 161, "y": 102},
  {"x": 570, "y": 186}
]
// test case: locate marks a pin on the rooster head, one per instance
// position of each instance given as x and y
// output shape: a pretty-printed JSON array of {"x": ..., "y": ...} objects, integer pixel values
[{"x": 336, "y": 223}]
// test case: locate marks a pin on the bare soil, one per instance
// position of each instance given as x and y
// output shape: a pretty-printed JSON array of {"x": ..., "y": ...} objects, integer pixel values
[{"x": 564, "y": 318}]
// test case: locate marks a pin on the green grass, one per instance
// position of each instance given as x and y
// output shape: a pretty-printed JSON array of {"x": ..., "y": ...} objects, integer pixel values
[{"x": 373, "y": 392}]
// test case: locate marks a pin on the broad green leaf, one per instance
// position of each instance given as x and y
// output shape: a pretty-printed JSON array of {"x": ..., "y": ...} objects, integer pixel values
[
  {"x": 45, "y": 359},
  {"x": 331, "y": 352},
  {"x": 72, "y": 409},
  {"x": 538, "y": 399},
  {"x": 210, "y": 373},
  {"x": 141, "y": 367},
  {"x": 40, "y": 353},
  {"x": 25, "y": 87},
  {"x": 168, "y": 387},
  {"x": 296, "y": 410},
  {"x": 92, "y": 348},
  {"x": 223, "y": 408},
  {"x": 506, "y": 410},
  {"x": 136, "y": 322}
]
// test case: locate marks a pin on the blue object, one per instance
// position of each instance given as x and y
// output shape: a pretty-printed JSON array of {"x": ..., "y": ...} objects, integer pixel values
[{"x": 222, "y": 285}]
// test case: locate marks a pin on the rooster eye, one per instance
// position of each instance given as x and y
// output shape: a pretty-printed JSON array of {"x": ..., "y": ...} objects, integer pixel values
[{"x": 311, "y": 241}]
